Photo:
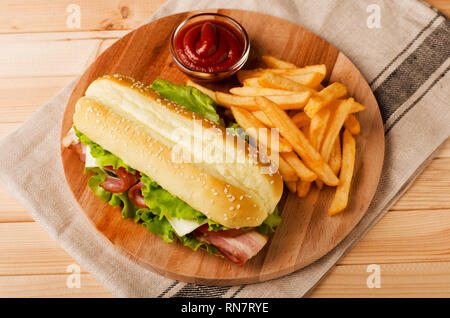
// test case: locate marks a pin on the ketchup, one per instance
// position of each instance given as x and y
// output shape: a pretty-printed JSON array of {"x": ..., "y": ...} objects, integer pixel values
[{"x": 209, "y": 46}]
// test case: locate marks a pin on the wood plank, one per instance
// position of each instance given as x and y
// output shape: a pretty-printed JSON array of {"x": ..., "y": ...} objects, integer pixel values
[
  {"x": 11, "y": 210},
  {"x": 430, "y": 190},
  {"x": 45, "y": 57},
  {"x": 397, "y": 280},
  {"x": 63, "y": 36},
  {"x": 38, "y": 91},
  {"x": 7, "y": 128},
  {"x": 16, "y": 107},
  {"x": 405, "y": 236},
  {"x": 27, "y": 249},
  {"x": 50, "y": 286},
  {"x": 31, "y": 16},
  {"x": 413, "y": 236}
]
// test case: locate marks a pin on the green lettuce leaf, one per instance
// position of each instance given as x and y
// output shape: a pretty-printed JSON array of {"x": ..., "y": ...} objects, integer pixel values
[
  {"x": 156, "y": 225},
  {"x": 162, "y": 227},
  {"x": 270, "y": 223},
  {"x": 162, "y": 203},
  {"x": 189, "y": 97},
  {"x": 113, "y": 199}
]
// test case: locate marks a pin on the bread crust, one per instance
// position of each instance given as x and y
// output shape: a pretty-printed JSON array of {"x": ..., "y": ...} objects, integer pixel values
[{"x": 228, "y": 204}]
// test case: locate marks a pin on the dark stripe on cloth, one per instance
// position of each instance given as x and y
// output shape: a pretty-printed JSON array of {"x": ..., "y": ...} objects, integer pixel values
[
  {"x": 412, "y": 73},
  {"x": 406, "y": 48},
  {"x": 193, "y": 290},
  {"x": 167, "y": 289},
  {"x": 238, "y": 291},
  {"x": 417, "y": 100}
]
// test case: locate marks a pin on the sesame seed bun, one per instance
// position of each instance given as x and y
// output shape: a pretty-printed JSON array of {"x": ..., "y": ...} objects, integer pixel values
[{"x": 143, "y": 129}]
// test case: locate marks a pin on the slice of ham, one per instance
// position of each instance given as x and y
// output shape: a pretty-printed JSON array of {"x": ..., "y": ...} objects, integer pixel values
[
  {"x": 135, "y": 195},
  {"x": 235, "y": 244},
  {"x": 71, "y": 141},
  {"x": 121, "y": 183},
  {"x": 80, "y": 149}
]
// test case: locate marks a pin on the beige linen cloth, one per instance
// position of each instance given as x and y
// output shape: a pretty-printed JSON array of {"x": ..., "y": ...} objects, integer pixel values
[{"x": 405, "y": 60}]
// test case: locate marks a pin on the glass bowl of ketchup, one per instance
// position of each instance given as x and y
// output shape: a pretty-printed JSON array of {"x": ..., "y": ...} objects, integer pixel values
[{"x": 209, "y": 46}]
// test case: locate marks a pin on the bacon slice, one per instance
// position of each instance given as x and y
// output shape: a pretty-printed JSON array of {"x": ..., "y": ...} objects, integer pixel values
[
  {"x": 236, "y": 245},
  {"x": 80, "y": 149},
  {"x": 71, "y": 141},
  {"x": 119, "y": 184},
  {"x": 135, "y": 195}
]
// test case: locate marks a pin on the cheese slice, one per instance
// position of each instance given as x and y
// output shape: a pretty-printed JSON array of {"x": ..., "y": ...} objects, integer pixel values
[
  {"x": 91, "y": 162},
  {"x": 182, "y": 226}
]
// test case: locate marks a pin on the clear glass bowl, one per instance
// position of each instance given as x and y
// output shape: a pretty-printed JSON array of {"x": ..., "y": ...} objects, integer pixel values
[{"x": 211, "y": 76}]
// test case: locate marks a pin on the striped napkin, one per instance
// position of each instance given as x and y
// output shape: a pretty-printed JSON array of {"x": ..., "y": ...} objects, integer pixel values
[{"x": 401, "y": 47}]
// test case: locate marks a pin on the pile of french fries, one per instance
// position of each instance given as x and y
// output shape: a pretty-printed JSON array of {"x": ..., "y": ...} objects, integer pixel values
[{"x": 316, "y": 124}]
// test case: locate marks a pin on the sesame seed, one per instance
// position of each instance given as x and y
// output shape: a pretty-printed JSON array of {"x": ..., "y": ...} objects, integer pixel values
[{"x": 231, "y": 208}]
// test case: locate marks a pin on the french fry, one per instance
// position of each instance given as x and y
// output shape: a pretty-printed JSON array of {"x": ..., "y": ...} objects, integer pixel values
[
  {"x": 340, "y": 199},
  {"x": 317, "y": 130},
  {"x": 247, "y": 121},
  {"x": 336, "y": 156},
  {"x": 252, "y": 82},
  {"x": 261, "y": 116},
  {"x": 302, "y": 171},
  {"x": 321, "y": 69},
  {"x": 342, "y": 109},
  {"x": 352, "y": 124},
  {"x": 274, "y": 62},
  {"x": 292, "y": 186},
  {"x": 259, "y": 91},
  {"x": 279, "y": 82},
  {"x": 318, "y": 127},
  {"x": 297, "y": 139},
  {"x": 325, "y": 97},
  {"x": 287, "y": 172},
  {"x": 294, "y": 101},
  {"x": 301, "y": 120},
  {"x": 203, "y": 89},
  {"x": 309, "y": 80},
  {"x": 303, "y": 188}
]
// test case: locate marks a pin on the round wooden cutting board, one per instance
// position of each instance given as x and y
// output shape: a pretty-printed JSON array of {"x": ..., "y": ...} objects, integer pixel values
[{"x": 306, "y": 232}]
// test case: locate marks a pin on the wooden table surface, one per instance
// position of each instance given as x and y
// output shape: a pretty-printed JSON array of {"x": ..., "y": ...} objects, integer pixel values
[{"x": 39, "y": 55}]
